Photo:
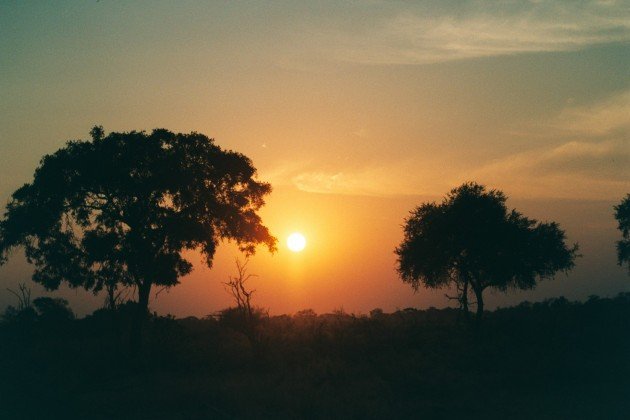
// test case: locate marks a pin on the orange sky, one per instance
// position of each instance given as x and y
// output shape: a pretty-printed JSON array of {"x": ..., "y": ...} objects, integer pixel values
[{"x": 354, "y": 111}]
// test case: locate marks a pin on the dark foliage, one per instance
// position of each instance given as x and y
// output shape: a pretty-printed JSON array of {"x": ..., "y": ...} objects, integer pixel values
[
  {"x": 53, "y": 310},
  {"x": 473, "y": 242},
  {"x": 43, "y": 309},
  {"x": 118, "y": 210},
  {"x": 554, "y": 359},
  {"x": 622, "y": 214}
]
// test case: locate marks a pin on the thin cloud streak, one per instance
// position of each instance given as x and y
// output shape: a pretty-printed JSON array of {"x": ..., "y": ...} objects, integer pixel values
[
  {"x": 611, "y": 116},
  {"x": 386, "y": 179},
  {"x": 592, "y": 162},
  {"x": 429, "y": 33},
  {"x": 383, "y": 180},
  {"x": 589, "y": 170},
  {"x": 576, "y": 169},
  {"x": 588, "y": 157}
]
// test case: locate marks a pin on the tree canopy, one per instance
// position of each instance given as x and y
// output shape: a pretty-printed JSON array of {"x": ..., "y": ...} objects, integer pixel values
[
  {"x": 622, "y": 214},
  {"x": 473, "y": 242},
  {"x": 120, "y": 209}
]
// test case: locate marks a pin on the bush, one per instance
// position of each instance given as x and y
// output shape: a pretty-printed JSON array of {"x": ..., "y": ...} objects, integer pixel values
[{"x": 53, "y": 309}]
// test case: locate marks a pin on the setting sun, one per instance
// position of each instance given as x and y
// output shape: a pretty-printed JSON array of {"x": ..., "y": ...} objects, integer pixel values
[{"x": 296, "y": 242}]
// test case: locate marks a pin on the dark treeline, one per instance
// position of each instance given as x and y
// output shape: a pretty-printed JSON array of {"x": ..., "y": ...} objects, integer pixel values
[{"x": 553, "y": 359}]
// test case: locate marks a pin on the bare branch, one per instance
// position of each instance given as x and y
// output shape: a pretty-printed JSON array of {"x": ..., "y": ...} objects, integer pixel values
[{"x": 24, "y": 297}]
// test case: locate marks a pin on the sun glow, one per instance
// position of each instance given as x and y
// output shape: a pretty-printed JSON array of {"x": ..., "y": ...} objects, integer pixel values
[{"x": 296, "y": 242}]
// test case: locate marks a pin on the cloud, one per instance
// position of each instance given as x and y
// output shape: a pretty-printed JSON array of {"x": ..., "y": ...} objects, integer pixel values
[
  {"x": 587, "y": 156},
  {"x": 592, "y": 161},
  {"x": 574, "y": 169},
  {"x": 609, "y": 117},
  {"x": 363, "y": 182},
  {"x": 606, "y": 160},
  {"x": 377, "y": 181},
  {"x": 411, "y": 176},
  {"x": 428, "y": 32},
  {"x": 554, "y": 175}
]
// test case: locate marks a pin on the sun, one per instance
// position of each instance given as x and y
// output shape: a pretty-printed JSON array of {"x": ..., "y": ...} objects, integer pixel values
[{"x": 296, "y": 242}]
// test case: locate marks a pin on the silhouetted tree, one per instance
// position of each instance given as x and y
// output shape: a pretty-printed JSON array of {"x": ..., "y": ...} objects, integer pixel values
[
  {"x": 236, "y": 286},
  {"x": 24, "y": 312},
  {"x": 53, "y": 310},
  {"x": 622, "y": 214},
  {"x": 473, "y": 242},
  {"x": 115, "y": 297},
  {"x": 120, "y": 209},
  {"x": 306, "y": 313},
  {"x": 23, "y": 296},
  {"x": 376, "y": 313}
]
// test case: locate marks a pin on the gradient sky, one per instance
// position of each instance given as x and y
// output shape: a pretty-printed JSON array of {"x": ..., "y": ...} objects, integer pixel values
[{"x": 355, "y": 111}]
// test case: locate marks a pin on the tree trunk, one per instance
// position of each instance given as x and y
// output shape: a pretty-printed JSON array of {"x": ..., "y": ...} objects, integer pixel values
[
  {"x": 111, "y": 297},
  {"x": 144, "y": 290},
  {"x": 479, "y": 295},
  {"x": 139, "y": 320},
  {"x": 465, "y": 300}
]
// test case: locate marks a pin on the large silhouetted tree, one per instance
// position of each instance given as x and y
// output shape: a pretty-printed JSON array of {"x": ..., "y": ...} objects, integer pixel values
[
  {"x": 120, "y": 209},
  {"x": 473, "y": 242},
  {"x": 622, "y": 214}
]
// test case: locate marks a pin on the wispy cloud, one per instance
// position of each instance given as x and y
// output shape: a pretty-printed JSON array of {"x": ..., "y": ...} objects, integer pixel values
[
  {"x": 372, "y": 181},
  {"x": 428, "y": 32},
  {"x": 386, "y": 179},
  {"x": 609, "y": 117},
  {"x": 382, "y": 180},
  {"x": 593, "y": 161},
  {"x": 576, "y": 169},
  {"x": 587, "y": 157}
]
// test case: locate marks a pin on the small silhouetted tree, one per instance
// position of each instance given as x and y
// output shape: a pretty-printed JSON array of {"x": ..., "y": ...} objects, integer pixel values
[
  {"x": 622, "y": 214},
  {"x": 23, "y": 296},
  {"x": 116, "y": 296},
  {"x": 119, "y": 210},
  {"x": 53, "y": 310},
  {"x": 24, "y": 312},
  {"x": 237, "y": 287},
  {"x": 473, "y": 242}
]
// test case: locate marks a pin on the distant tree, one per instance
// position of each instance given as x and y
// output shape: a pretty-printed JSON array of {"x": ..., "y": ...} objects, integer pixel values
[
  {"x": 471, "y": 241},
  {"x": 24, "y": 312},
  {"x": 237, "y": 287},
  {"x": 622, "y": 214},
  {"x": 115, "y": 296},
  {"x": 306, "y": 313},
  {"x": 119, "y": 210},
  {"x": 53, "y": 310},
  {"x": 23, "y": 296},
  {"x": 376, "y": 313}
]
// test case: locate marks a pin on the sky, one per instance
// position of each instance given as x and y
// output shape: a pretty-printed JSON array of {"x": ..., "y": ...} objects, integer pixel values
[{"x": 355, "y": 112}]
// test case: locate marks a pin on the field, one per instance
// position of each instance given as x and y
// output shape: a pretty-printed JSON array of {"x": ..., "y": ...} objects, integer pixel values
[{"x": 555, "y": 359}]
